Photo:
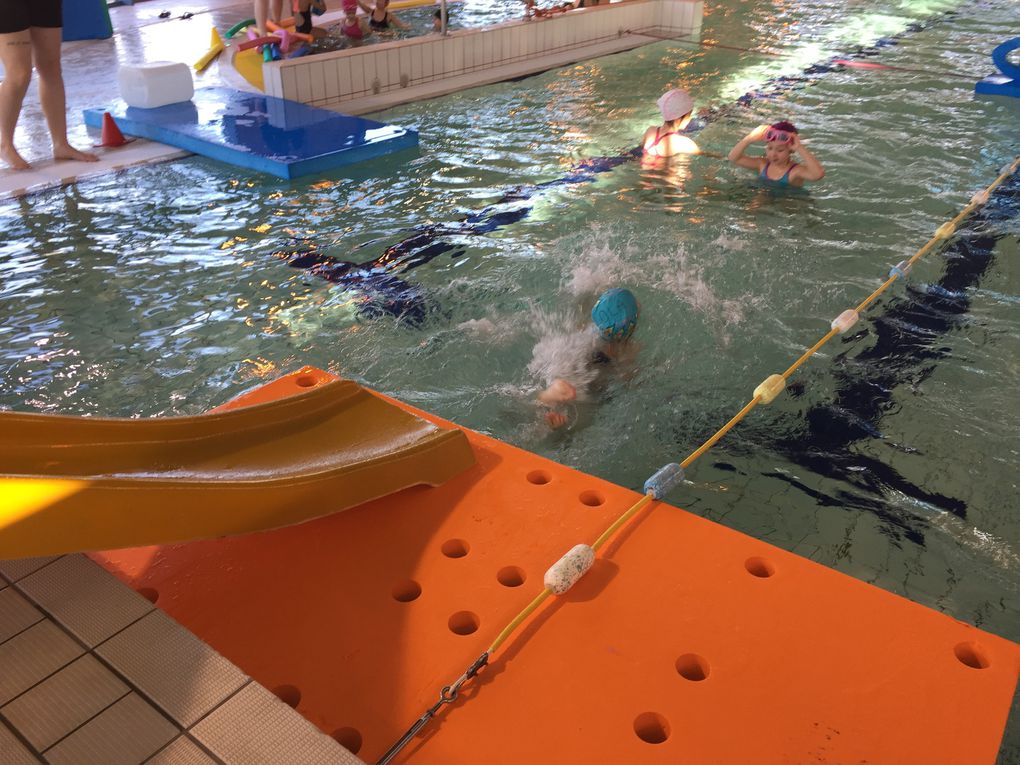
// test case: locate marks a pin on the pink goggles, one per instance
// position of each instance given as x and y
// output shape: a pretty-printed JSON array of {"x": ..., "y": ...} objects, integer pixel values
[{"x": 782, "y": 136}]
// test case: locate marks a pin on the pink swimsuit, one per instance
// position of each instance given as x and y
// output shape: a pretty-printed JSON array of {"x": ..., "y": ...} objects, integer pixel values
[
  {"x": 658, "y": 138},
  {"x": 352, "y": 30}
]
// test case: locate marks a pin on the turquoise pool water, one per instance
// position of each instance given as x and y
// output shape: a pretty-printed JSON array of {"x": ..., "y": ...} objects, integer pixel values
[{"x": 165, "y": 290}]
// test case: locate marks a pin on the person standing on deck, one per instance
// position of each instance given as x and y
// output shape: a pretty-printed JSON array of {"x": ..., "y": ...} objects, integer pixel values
[{"x": 31, "y": 30}]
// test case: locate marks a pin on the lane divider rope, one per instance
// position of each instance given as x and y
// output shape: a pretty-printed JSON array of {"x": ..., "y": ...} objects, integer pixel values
[{"x": 569, "y": 569}]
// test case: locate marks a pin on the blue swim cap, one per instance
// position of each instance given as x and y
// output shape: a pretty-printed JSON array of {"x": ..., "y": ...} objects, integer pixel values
[{"x": 615, "y": 314}]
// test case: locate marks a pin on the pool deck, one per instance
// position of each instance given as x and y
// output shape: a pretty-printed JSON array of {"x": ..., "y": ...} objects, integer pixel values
[
  {"x": 92, "y": 673},
  {"x": 90, "y": 79}
]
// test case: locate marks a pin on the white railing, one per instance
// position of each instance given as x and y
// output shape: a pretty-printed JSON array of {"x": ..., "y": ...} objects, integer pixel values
[{"x": 375, "y": 77}]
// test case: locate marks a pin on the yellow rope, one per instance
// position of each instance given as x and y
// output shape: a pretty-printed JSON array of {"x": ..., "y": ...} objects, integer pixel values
[
  {"x": 620, "y": 521},
  {"x": 518, "y": 619},
  {"x": 720, "y": 433},
  {"x": 735, "y": 420}
]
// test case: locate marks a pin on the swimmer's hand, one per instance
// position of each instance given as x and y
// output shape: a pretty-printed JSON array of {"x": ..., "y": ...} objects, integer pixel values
[
  {"x": 555, "y": 420},
  {"x": 758, "y": 134},
  {"x": 558, "y": 392}
]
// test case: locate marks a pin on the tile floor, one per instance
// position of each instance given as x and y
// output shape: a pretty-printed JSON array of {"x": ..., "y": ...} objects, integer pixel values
[{"x": 91, "y": 673}]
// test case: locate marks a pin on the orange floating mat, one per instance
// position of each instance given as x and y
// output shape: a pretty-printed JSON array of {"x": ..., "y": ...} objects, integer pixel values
[
  {"x": 85, "y": 483},
  {"x": 687, "y": 642}
]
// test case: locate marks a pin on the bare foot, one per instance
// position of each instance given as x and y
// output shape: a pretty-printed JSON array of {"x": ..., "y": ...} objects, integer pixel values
[
  {"x": 14, "y": 160},
  {"x": 69, "y": 152}
]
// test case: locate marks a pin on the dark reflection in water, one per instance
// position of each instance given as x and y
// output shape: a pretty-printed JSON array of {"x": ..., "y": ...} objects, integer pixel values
[{"x": 907, "y": 341}]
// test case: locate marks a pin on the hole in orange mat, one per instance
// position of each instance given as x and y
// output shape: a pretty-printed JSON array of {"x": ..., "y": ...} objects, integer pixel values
[
  {"x": 692, "y": 667},
  {"x": 149, "y": 594},
  {"x": 591, "y": 498},
  {"x": 288, "y": 694},
  {"x": 463, "y": 623},
  {"x": 511, "y": 576},
  {"x": 407, "y": 591},
  {"x": 972, "y": 655},
  {"x": 651, "y": 728},
  {"x": 539, "y": 477},
  {"x": 455, "y": 548},
  {"x": 305, "y": 381},
  {"x": 349, "y": 738},
  {"x": 759, "y": 567}
]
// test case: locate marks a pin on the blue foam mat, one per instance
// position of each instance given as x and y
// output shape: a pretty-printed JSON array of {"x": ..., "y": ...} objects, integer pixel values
[
  {"x": 998, "y": 85},
  {"x": 258, "y": 132}
]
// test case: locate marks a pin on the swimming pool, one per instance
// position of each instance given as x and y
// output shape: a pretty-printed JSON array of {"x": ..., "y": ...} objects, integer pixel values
[{"x": 162, "y": 290}]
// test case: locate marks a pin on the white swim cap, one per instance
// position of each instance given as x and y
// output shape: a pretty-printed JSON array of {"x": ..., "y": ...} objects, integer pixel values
[{"x": 674, "y": 104}]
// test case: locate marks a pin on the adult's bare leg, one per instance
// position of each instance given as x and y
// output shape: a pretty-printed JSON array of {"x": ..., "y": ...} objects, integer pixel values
[
  {"x": 46, "y": 51},
  {"x": 16, "y": 55}
]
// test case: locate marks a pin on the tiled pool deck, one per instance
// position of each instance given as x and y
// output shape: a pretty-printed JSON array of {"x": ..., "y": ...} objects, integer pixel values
[{"x": 92, "y": 673}]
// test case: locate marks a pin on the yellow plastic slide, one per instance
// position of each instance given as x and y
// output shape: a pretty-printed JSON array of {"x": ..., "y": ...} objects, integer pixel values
[{"x": 83, "y": 483}]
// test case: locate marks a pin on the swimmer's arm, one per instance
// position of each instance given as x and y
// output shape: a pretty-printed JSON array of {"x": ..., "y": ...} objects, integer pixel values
[
  {"x": 737, "y": 154},
  {"x": 397, "y": 22},
  {"x": 809, "y": 169}
]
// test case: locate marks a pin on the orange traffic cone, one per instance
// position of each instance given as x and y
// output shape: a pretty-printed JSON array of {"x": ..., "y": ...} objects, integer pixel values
[{"x": 112, "y": 136}]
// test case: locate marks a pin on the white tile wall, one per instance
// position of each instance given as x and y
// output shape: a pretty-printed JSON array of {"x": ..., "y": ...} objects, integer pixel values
[
  {"x": 358, "y": 74},
  {"x": 335, "y": 77},
  {"x": 288, "y": 81},
  {"x": 438, "y": 61},
  {"x": 317, "y": 74},
  {"x": 423, "y": 65},
  {"x": 304, "y": 84},
  {"x": 406, "y": 69},
  {"x": 379, "y": 70},
  {"x": 332, "y": 81}
]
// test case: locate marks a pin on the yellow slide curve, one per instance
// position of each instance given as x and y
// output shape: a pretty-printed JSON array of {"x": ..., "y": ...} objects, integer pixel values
[{"x": 83, "y": 483}]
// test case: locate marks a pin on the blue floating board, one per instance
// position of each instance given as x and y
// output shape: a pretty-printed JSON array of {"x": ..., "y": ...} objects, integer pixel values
[
  {"x": 250, "y": 130},
  {"x": 998, "y": 85}
]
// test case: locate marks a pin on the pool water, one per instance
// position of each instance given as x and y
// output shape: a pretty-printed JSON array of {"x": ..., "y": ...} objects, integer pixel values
[{"x": 166, "y": 289}]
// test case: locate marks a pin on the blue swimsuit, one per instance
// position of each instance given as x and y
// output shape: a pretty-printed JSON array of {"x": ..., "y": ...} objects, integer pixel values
[{"x": 783, "y": 180}]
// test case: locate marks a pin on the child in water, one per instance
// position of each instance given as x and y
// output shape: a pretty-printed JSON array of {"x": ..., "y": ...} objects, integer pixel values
[
  {"x": 353, "y": 27},
  {"x": 666, "y": 140},
  {"x": 615, "y": 316},
  {"x": 777, "y": 167}
]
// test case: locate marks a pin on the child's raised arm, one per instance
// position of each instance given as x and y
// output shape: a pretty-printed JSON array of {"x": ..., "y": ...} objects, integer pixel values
[
  {"x": 810, "y": 169},
  {"x": 737, "y": 155}
]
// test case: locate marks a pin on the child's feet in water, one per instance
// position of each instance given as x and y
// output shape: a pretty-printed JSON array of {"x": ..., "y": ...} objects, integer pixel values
[
  {"x": 13, "y": 160},
  {"x": 69, "y": 152}
]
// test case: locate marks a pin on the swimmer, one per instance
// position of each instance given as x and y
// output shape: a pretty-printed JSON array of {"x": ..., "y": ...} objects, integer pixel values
[
  {"x": 531, "y": 9},
  {"x": 666, "y": 139},
  {"x": 777, "y": 167},
  {"x": 614, "y": 316},
  {"x": 352, "y": 26},
  {"x": 383, "y": 20}
]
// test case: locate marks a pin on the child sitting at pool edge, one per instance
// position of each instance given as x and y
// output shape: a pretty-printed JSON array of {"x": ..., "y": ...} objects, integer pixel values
[
  {"x": 777, "y": 167},
  {"x": 615, "y": 316}
]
